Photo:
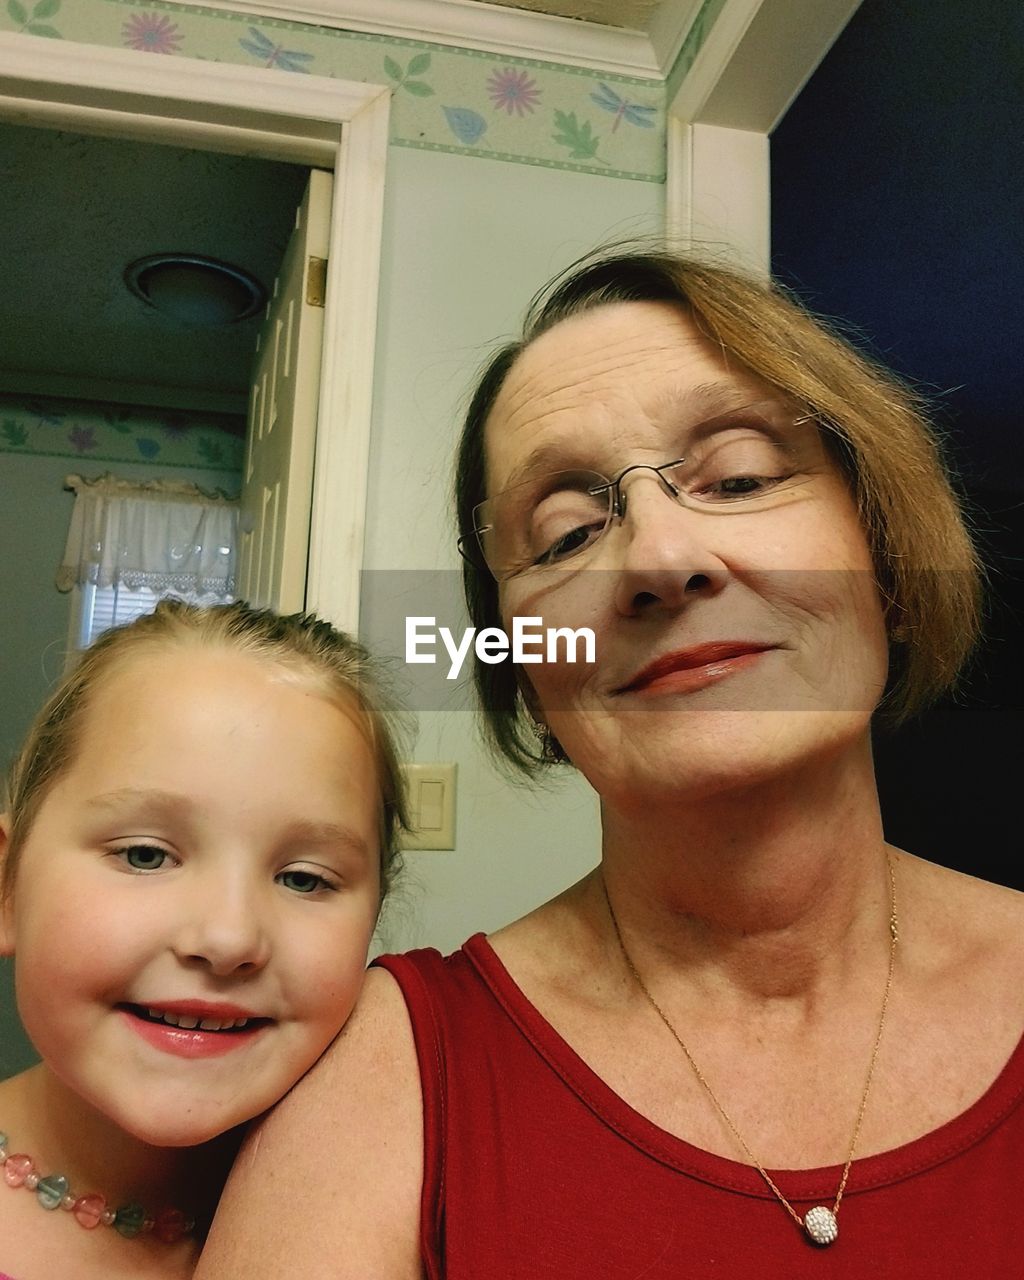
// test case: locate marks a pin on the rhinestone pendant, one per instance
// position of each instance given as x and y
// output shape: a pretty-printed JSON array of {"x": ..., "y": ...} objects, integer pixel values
[{"x": 821, "y": 1225}]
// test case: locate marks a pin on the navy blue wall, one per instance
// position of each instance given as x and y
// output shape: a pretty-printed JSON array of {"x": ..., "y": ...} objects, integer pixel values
[{"x": 898, "y": 207}]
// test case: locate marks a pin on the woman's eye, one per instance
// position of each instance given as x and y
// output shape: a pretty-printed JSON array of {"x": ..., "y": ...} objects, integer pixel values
[
  {"x": 143, "y": 857},
  {"x": 303, "y": 881},
  {"x": 743, "y": 486},
  {"x": 568, "y": 544},
  {"x": 565, "y": 522}
]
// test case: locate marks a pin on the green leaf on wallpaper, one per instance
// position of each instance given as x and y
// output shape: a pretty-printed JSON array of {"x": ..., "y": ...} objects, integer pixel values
[
  {"x": 13, "y": 433},
  {"x": 210, "y": 450},
  {"x": 18, "y": 12},
  {"x": 45, "y": 9},
  {"x": 418, "y": 88},
  {"x": 41, "y": 29},
  {"x": 417, "y": 66},
  {"x": 391, "y": 67},
  {"x": 579, "y": 138}
]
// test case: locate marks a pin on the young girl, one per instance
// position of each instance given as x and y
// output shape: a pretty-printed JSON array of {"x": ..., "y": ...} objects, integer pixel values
[{"x": 200, "y": 832}]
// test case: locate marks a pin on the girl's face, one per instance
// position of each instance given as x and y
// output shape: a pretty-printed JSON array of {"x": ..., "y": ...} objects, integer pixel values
[
  {"x": 193, "y": 905},
  {"x": 738, "y": 631}
]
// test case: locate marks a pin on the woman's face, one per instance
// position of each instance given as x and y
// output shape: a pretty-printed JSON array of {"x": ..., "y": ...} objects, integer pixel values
[{"x": 736, "y": 635}]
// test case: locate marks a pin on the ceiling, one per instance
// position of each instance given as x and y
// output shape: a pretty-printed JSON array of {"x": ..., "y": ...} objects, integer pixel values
[{"x": 77, "y": 211}]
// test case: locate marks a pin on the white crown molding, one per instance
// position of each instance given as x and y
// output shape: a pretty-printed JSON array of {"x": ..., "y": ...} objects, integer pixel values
[
  {"x": 491, "y": 28},
  {"x": 669, "y": 28},
  {"x": 30, "y": 67}
]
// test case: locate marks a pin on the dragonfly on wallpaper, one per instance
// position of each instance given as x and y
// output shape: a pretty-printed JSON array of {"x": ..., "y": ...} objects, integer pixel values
[
  {"x": 632, "y": 112},
  {"x": 273, "y": 55}
]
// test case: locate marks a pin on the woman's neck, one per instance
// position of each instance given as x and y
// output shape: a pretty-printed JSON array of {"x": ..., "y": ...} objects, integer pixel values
[
  {"x": 774, "y": 890},
  {"x": 64, "y": 1134}
]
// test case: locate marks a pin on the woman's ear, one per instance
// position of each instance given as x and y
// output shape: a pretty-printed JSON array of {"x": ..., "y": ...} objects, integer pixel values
[{"x": 6, "y": 899}]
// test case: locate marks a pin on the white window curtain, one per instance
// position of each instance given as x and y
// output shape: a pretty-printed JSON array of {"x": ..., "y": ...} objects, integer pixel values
[{"x": 161, "y": 536}]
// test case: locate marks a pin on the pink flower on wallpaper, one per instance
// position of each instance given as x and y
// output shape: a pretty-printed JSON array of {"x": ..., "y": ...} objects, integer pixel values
[
  {"x": 513, "y": 91},
  {"x": 83, "y": 438},
  {"x": 151, "y": 33}
]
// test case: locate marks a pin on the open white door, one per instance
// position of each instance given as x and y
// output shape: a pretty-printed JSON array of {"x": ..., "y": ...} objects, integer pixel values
[{"x": 277, "y": 478}]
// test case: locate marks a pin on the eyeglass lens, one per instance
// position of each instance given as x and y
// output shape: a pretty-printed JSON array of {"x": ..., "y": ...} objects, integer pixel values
[{"x": 743, "y": 460}]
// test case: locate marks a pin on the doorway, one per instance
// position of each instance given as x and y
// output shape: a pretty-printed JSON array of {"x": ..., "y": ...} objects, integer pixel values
[{"x": 274, "y": 115}]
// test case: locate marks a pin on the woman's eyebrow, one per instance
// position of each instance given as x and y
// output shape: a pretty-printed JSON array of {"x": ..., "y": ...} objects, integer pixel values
[
  {"x": 548, "y": 457},
  {"x": 687, "y": 405},
  {"x": 691, "y": 404}
]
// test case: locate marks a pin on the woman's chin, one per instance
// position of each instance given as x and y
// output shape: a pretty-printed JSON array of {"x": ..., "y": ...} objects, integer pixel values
[{"x": 699, "y": 757}]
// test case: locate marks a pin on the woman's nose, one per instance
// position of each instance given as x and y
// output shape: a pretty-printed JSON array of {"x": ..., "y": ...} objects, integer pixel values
[
  {"x": 665, "y": 558},
  {"x": 223, "y": 928}
]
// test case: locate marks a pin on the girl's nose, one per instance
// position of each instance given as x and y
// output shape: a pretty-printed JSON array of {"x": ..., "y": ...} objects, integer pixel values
[
  {"x": 223, "y": 928},
  {"x": 665, "y": 559}
]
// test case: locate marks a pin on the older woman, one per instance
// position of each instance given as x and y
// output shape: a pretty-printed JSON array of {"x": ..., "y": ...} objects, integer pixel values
[{"x": 756, "y": 1040}]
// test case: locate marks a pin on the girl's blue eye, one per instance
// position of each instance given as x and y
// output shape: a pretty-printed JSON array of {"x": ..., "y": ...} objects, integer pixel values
[
  {"x": 143, "y": 857},
  {"x": 303, "y": 881}
]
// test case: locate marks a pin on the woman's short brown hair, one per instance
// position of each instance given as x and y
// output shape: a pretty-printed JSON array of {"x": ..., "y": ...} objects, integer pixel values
[{"x": 925, "y": 564}]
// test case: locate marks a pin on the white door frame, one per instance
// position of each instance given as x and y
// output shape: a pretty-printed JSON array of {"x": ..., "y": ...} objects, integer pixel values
[
  {"x": 278, "y": 115},
  {"x": 758, "y": 56}
]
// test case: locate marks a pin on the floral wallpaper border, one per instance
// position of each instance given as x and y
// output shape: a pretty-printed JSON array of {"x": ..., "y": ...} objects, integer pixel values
[
  {"x": 46, "y": 426},
  {"x": 462, "y": 101}
]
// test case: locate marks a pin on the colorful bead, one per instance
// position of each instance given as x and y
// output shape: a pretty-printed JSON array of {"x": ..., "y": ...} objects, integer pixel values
[
  {"x": 51, "y": 1190},
  {"x": 171, "y": 1225},
  {"x": 17, "y": 1169},
  {"x": 88, "y": 1210},
  {"x": 128, "y": 1220}
]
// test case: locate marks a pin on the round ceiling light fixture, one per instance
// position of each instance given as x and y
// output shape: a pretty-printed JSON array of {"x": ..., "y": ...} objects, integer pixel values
[{"x": 195, "y": 290}]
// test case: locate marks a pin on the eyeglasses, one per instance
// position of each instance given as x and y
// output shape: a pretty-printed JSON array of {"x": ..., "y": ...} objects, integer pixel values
[{"x": 745, "y": 460}]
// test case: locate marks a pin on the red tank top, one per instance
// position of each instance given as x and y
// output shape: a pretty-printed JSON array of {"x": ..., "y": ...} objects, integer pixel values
[{"x": 536, "y": 1170}]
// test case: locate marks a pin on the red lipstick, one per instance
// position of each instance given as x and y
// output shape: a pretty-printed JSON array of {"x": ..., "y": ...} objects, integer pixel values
[{"x": 695, "y": 668}]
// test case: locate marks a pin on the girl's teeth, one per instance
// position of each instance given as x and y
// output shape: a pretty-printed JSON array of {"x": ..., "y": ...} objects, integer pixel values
[{"x": 187, "y": 1023}]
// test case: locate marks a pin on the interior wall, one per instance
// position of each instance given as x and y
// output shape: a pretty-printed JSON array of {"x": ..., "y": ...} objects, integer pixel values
[{"x": 466, "y": 244}]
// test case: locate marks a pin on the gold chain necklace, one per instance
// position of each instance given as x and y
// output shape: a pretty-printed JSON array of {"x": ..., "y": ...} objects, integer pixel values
[{"x": 820, "y": 1223}]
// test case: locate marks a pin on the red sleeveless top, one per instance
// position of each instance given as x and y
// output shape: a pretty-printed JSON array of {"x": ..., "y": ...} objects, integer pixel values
[{"x": 536, "y": 1170}]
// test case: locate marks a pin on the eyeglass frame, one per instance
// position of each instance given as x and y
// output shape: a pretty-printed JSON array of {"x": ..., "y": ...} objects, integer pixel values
[{"x": 616, "y": 508}]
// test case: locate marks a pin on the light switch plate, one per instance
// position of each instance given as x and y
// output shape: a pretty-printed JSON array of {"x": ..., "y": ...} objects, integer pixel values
[{"x": 431, "y": 792}]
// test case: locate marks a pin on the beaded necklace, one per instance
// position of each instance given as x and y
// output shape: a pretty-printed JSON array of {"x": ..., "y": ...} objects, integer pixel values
[{"x": 91, "y": 1210}]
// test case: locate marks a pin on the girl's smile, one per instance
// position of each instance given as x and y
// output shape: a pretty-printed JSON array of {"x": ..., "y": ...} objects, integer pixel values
[{"x": 194, "y": 901}]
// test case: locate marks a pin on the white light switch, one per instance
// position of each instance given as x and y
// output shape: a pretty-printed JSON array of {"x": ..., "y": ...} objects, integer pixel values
[{"x": 431, "y": 792}]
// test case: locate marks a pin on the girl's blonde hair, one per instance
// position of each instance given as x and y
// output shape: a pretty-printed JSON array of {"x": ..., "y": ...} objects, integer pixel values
[
  {"x": 926, "y": 566},
  {"x": 338, "y": 668}
]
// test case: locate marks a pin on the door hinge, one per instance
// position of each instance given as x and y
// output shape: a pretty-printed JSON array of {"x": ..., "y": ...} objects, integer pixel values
[{"x": 316, "y": 281}]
